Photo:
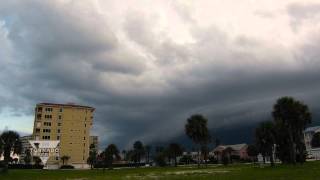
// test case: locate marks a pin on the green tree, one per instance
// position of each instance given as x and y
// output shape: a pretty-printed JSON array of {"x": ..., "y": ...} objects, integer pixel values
[
  {"x": 197, "y": 130},
  {"x": 315, "y": 142},
  {"x": 252, "y": 152},
  {"x": 65, "y": 159},
  {"x": 175, "y": 150},
  {"x": 109, "y": 155},
  {"x": 160, "y": 159},
  {"x": 186, "y": 159},
  {"x": 36, "y": 160},
  {"x": 226, "y": 155},
  {"x": 265, "y": 140},
  {"x": 147, "y": 151},
  {"x": 92, "y": 159},
  {"x": 27, "y": 159},
  {"x": 205, "y": 153},
  {"x": 138, "y": 150},
  {"x": 291, "y": 117},
  {"x": 10, "y": 142}
]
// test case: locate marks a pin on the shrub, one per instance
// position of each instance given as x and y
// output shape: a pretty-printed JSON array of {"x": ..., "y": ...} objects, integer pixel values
[
  {"x": 24, "y": 166},
  {"x": 160, "y": 159},
  {"x": 67, "y": 167},
  {"x": 213, "y": 160}
]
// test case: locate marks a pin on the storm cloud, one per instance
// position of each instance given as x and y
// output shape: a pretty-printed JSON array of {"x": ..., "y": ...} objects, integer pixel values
[{"x": 146, "y": 67}]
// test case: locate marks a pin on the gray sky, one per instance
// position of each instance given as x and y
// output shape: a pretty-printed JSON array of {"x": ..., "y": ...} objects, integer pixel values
[{"x": 148, "y": 65}]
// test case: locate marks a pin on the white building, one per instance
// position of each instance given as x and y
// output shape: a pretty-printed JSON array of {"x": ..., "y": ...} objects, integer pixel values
[
  {"x": 25, "y": 145},
  {"x": 308, "y": 135}
]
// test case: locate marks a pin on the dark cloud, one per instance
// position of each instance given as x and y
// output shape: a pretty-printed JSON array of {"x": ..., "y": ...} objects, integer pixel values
[{"x": 143, "y": 83}]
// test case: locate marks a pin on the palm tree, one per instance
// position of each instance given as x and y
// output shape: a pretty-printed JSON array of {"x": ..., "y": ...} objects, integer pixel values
[
  {"x": 64, "y": 159},
  {"x": 148, "y": 149},
  {"x": 9, "y": 141},
  {"x": 36, "y": 160},
  {"x": 197, "y": 130},
  {"x": 226, "y": 155},
  {"x": 174, "y": 151},
  {"x": 252, "y": 152},
  {"x": 265, "y": 139},
  {"x": 92, "y": 159},
  {"x": 139, "y": 150},
  {"x": 109, "y": 154},
  {"x": 292, "y": 117},
  {"x": 27, "y": 158},
  {"x": 205, "y": 153}
]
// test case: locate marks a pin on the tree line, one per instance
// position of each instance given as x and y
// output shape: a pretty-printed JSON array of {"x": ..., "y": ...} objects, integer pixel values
[{"x": 281, "y": 137}]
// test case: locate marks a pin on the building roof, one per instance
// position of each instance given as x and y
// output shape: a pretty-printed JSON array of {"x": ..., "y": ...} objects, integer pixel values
[
  {"x": 235, "y": 147},
  {"x": 65, "y": 105},
  {"x": 312, "y": 129},
  {"x": 26, "y": 137}
]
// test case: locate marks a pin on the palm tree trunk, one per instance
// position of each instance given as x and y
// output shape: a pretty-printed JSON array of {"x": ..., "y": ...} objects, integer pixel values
[
  {"x": 271, "y": 157},
  {"x": 175, "y": 161},
  {"x": 293, "y": 147},
  {"x": 199, "y": 158}
]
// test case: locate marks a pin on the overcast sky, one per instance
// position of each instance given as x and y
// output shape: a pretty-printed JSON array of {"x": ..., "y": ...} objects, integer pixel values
[{"x": 148, "y": 65}]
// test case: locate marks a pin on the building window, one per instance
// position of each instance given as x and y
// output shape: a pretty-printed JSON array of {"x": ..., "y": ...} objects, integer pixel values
[
  {"x": 60, "y": 117},
  {"x": 58, "y": 130},
  {"x": 38, "y": 116},
  {"x": 47, "y": 123},
  {"x": 48, "y": 116},
  {"x": 84, "y": 138},
  {"x": 85, "y": 125},
  {"x": 59, "y": 124},
  {"x": 48, "y": 109},
  {"x": 60, "y": 110},
  {"x": 58, "y": 137},
  {"x": 37, "y": 130},
  {"x": 46, "y": 137},
  {"x": 57, "y": 158},
  {"x": 46, "y": 130},
  {"x": 39, "y": 109}
]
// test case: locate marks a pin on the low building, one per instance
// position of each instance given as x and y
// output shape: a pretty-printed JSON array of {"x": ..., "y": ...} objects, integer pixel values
[
  {"x": 194, "y": 155},
  {"x": 236, "y": 150},
  {"x": 313, "y": 152},
  {"x": 25, "y": 146}
]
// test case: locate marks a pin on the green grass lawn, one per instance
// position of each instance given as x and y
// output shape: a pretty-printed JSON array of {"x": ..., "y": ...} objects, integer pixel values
[{"x": 310, "y": 170}]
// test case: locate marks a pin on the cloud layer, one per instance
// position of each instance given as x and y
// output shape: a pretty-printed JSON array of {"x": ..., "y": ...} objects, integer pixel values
[{"x": 147, "y": 66}]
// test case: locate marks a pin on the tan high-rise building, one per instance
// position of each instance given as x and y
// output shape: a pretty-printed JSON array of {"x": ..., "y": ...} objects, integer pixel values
[{"x": 68, "y": 123}]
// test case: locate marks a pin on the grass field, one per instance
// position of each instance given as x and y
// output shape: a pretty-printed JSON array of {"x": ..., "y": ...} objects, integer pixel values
[{"x": 310, "y": 170}]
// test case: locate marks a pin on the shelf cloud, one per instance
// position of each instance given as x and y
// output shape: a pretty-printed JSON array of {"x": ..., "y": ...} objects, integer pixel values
[{"x": 147, "y": 66}]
